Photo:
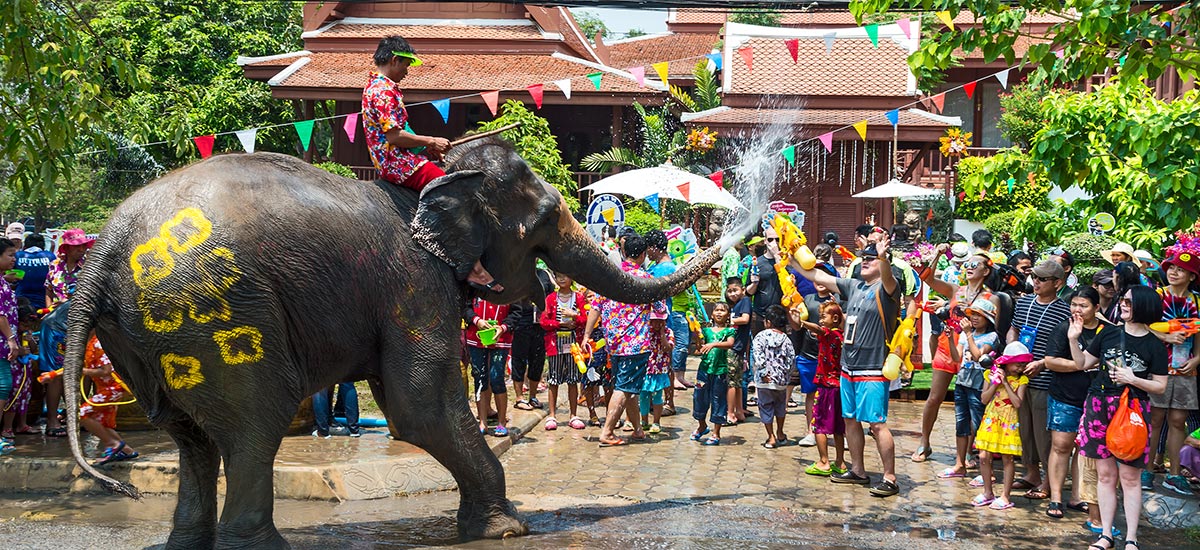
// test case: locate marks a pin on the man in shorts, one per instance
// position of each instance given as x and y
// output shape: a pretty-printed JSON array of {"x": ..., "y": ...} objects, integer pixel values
[{"x": 872, "y": 307}]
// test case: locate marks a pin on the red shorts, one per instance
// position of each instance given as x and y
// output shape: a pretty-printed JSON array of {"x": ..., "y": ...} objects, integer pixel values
[
  {"x": 106, "y": 416},
  {"x": 425, "y": 174},
  {"x": 941, "y": 359}
]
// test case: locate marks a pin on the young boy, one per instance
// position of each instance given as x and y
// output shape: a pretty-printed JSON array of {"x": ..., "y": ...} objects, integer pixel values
[
  {"x": 774, "y": 359},
  {"x": 739, "y": 319},
  {"x": 99, "y": 417},
  {"x": 712, "y": 378}
]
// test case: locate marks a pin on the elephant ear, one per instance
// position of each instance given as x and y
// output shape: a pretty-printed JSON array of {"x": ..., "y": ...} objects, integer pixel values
[{"x": 451, "y": 220}]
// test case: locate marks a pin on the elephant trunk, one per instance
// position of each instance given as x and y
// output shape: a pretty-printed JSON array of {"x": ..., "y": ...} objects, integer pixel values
[{"x": 581, "y": 258}]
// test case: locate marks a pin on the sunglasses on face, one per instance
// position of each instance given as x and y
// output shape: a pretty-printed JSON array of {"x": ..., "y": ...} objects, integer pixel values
[
  {"x": 1126, "y": 302},
  {"x": 869, "y": 259},
  {"x": 772, "y": 239},
  {"x": 1043, "y": 279},
  {"x": 973, "y": 264}
]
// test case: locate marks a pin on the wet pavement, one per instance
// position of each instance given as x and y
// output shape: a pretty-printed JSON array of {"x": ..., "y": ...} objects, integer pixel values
[{"x": 667, "y": 492}]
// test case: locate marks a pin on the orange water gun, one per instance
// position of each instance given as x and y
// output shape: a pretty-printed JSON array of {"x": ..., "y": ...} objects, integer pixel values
[
  {"x": 845, "y": 253},
  {"x": 46, "y": 377},
  {"x": 580, "y": 359},
  {"x": 1187, "y": 326}
]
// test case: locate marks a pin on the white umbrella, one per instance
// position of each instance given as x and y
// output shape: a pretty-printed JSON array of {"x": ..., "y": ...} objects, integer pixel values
[
  {"x": 895, "y": 189},
  {"x": 665, "y": 181}
]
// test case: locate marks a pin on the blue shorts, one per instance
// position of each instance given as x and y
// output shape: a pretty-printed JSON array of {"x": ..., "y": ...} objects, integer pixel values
[
  {"x": 808, "y": 371},
  {"x": 629, "y": 372},
  {"x": 1062, "y": 417},
  {"x": 864, "y": 400},
  {"x": 487, "y": 369}
]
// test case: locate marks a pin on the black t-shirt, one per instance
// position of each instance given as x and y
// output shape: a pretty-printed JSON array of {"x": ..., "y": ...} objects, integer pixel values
[
  {"x": 1145, "y": 354},
  {"x": 768, "y": 292},
  {"x": 741, "y": 340},
  {"x": 1072, "y": 387},
  {"x": 805, "y": 341}
]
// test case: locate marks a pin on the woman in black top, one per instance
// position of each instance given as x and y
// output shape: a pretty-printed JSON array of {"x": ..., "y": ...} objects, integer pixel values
[{"x": 1130, "y": 357}]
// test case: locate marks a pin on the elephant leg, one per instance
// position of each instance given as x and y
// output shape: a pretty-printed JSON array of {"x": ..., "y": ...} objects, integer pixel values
[
  {"x": 380, "y": 395},
  {"x": 427, "y": 401},
  {"x": 195, "y": 521}
]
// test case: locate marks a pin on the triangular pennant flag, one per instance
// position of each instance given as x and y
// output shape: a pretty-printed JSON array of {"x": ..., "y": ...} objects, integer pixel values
[
  {"x": 939, "y": 101},
  {"x": 747, "y": 56},
  {"x": 1002, "y": 76},
  {"x": 905, "y": 27},
  {"x": 304, "y": 129},
  {"x": 443, "y": 108},
  {"x": 827, "y": 141},
  {"x": 536, "y": 91},
  {"x": 893, "y": 116},
  {"x": 639, "y": 74},
  {"x": 595, "y": 78},
  {"x": 205, "y": 144},
  {"x": 1058, "y": 53},
  {"x": 793, "y": 46},
  {"x": 653, "y": 201},
  {"x": 861, "y": 128},
  {"x": 609, "y": 215},
  {"x": 789, "y": 153},
  {"x": 716, "y": 59},
  {"x": 491, "y": 99},
  {"x": 929, "y": 215},
  {"x": 247, "y": 138},
  {"x": 970, "y": 89},
  {"x": 1011, "y": 182},
  {"x": 946, "y": 18},
  {"x": 685, "y": 189},
  {"x": 565, "y": 86},
  {"x": 718, "y": 178},
  {"x": 663, "y": 70},
  {"x": 982, "y": 193},
  {"x": 829, "y": 38},
  {"x": 962, "y": 195},
  {"x": 929, "y": 233},
  {"x": 873, "y": 34},
  {"x": 351, "y": 126}
]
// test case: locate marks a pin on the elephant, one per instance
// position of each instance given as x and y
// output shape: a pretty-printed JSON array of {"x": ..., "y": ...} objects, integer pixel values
[{"x": 228, "y": 290}]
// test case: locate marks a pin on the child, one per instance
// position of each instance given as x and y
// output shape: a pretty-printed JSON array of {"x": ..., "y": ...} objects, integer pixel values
[
  {"x": 999, "y": 433},
  {"x": 739, "y": 319},
  {"x": 712, "y": 378},
  {"x": 774, "y": 360},
  {"x": 99, "y": 416},
  {"x": 599, "y": 375},
  {"x": 979, "y": 338},
  {"x": 488, "y": 361},
  {"x": 24, "y": 376},
  {"x": 827, "y": 411},
  {"x": 563, "y": 319},
  {"x": 658, "y": 372}
]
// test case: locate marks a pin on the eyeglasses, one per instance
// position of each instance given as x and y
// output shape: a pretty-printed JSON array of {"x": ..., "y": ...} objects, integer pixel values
[
  {"x": 1126, "y": 302},
  {"x": 772, "y": 239},
  {"x": 869, "y": 259},
  {"x": 1044, "y": 279},
  {"x": 973, "y": 264}
]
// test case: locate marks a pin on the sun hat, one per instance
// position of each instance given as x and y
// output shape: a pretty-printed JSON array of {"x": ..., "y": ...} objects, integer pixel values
[
  {"x": 984, "y": 307},
  {"x": 15, "y": 230},
  {"x": 1050, "y": 268},
  {"x": 414, "y": 61},
  {"x": 1014, "y": 352},
  {"x": 1144, "y": 256},
  {"x": 75, "y": 237},
  {"x": 959, "y": 253},
  {"x": 1123, "y": 248},
  {"x": 1184, "y": 260}
]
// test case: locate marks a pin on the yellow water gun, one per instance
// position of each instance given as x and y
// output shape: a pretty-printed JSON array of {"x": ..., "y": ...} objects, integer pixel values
[
  {"x": 792, "y": 243},
  {"x": 901, "y": 348},
  {"x": 693, "y": 322}
]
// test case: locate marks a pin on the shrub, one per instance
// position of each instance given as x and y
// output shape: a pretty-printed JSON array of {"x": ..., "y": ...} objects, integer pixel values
[
  {"x": 983, "y": 185},
  {"x": 1086, "y": 249},
  {"x": 534, "y": 142},
  {"x": 339, "y": 169},
  {"x": 641, "y": 218}
]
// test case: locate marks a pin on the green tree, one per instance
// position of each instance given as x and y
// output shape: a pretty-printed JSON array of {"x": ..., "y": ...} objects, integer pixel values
[
  {"x": 1021, "y": 112},
  {"x": 760, "y": 17},
  {"x": 534, "y": 142},
  {"x": 983, "y": 183},
  {"x": 590, "y": 24},
  {"x": 635, "y": 32}
]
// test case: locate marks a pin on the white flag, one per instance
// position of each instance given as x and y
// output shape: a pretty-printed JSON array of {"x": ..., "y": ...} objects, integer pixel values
[
  {"x": 829, "y": 42},
  {"x": 565, "y": 86},
  {"x": 1002, "y": 76},
  {"x": 247, "y": 138}
]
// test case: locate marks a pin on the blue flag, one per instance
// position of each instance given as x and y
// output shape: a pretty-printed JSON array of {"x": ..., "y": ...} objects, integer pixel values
[
  {"x": 443, "y": 108},
  {"x": 893, "y": 116},
  {"x": 653, "y": 200},
  {"x": 928, "y": 233},
  {"x": 716, "y": 59}
]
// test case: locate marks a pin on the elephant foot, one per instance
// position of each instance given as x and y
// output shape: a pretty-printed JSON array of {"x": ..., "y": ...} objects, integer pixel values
[
  {"x": 266, "y": 540},
  {"x": 183, "y": 540},
  {"x": 490, "y": 521}
]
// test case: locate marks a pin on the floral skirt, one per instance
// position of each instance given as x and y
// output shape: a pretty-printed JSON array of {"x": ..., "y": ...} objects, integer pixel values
[
  {"x": 1098, "y": 412},
  {"x": 1000, "y": 431}
]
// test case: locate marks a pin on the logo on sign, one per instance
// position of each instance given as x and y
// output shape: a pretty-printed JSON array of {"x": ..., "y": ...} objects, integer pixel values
[
  {"x": 595, "y": 211},
  {"x": 780, "y": 207}
]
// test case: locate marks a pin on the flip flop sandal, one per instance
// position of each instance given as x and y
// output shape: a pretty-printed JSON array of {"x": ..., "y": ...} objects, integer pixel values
[
  {"x": 950, "y": 473},
  {"x": 1079, "y": 507},
  {"x": 711, "y": 442},
  {"x": 980, "y": 501},
  {"x": 697, "y": 435},
  {"x": 635, "y": 437},
  {"x": 110, "y": 455},
  {"x": 1055, "y": 510},
  {"x": 28, "y": 430},
  {"x": 614, "y": 443},
  {"x": 768, "y": 445},
  {"x": 1034, "y": 494},
  {"x": 577, "y": 423},
  {"x": 1001, "y": 505},
  {"x": 56, "y": 432},
  {"x": 813, "y": 470},
  {"x": 551, "y": 425},
  {"x": 922, "y": 454},
  {"x": 500, "y": 431},
  {"x": 533, "y": 401},
  {"x": 976, "y": 481},
  {"x": 1107, "y": 539},
  {"x": 523, "y": 405},
  {"x": 1022, "y": 485}
]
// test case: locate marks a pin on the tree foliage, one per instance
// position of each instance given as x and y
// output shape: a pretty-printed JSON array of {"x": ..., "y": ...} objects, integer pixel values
[
  {"x": 761, "y": 17},
  {"x": 1021, "y": 112},
  {"x": 534, "y": 142},
  {"x": 590, "y": 24},
  {"x": 983, "y": 184}
]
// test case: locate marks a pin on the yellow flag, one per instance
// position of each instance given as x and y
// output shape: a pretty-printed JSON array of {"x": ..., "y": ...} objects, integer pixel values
[
  {"x": 661, "y": 69},
  {"x": 609, "y": 215},
  {"x": 945, "y": 17},
  {"x": 861, "y": 126}
]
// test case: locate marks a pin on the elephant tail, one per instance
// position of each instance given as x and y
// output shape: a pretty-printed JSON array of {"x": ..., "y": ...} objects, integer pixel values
[{"x": 81, "y": 319}]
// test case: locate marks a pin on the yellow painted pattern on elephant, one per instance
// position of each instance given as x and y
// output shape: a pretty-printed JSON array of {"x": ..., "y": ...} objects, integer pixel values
[
  {"x": 187, "y": 230},
  {"x": 151, "y": 263},
  {"x": 240, "y": 345},
  {"x": 159, "y": 313},
  {"x": 182, "y": 373}
]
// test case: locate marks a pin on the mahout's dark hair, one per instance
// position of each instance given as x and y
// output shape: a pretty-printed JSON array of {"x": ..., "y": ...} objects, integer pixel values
[{"x": 394, "y": 43}]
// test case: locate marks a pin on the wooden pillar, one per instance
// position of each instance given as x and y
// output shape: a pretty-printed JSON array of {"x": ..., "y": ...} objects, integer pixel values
[
  {"x": 309, "y": 109},
  {"x": 617, "y": 118}
]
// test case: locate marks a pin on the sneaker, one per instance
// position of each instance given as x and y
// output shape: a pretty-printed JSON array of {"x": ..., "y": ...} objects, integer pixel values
[
  {"x": 1178, "y": 484},
  {"x": 339, "y": 430},
  {"x": 1147, "y": 481},
  {"x": 355, "y": 433},
  {"x": 850, "y": 477},
  {"x": 317, "y": 433},
  {"x": 809, "y": 440}
]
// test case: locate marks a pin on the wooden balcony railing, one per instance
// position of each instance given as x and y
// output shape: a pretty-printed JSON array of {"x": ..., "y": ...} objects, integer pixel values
[{"x": 930, "y": 168}]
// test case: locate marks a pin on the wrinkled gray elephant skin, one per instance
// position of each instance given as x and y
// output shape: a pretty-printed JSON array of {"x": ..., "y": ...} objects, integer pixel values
[{"x": 227, "y": 291}]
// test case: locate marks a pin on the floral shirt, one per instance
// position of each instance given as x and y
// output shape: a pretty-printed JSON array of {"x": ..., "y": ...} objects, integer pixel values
[
  {"x": 774, "y": 359},
  {"x": 628, "y": 325},
  {"x": 61, "y": 282},
  {"x": 829, "y": 358},
  {"x": 8, "y": 308},
  {"x": 660, "y": 356},
  {"x": 109, "y": 386},
  {"x": 383, "y": 110}
]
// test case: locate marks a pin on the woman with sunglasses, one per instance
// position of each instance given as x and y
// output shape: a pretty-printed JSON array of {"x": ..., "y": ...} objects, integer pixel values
[
  {"x": 1130, "y": 358},
  {"x": 977, "y": 270}
]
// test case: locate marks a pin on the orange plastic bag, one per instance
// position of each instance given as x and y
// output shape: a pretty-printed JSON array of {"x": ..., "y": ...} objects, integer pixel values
[{"x": 1127, "y": 433}]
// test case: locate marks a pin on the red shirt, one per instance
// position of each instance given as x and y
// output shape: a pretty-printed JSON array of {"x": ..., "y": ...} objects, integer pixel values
[{"x": 829, "y": 358}]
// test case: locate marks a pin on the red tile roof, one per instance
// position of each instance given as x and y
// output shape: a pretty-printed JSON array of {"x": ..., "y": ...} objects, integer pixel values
[
  {"x": 853, "y": 68},
  {"x": 477, "y": 32},
  {"x": 825, "y": 18},
  {"x": 835, "y": 118},
  {"x": 670, "y": 47}
]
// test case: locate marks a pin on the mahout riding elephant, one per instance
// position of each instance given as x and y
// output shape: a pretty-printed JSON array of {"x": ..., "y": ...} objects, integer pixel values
[{"x": 227, "y": 291}]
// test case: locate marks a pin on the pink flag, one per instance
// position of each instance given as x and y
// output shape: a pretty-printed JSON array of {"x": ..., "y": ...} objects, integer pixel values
[
  {"x": 939, "y": 101},
  {"x": 639, "y": 74},
  {"x": 205, "y": 145},
  {"x": 970, "y": 89},
  {"x": 905, "y": 27},
  {"x": 492, "y": 98},
  {"x": 685, "y": 189},
  {"x": 535, "y": 90},
  {"x": 748, "y": 56},
  {"x": 793, "y": 46},
  {"x": 718, "y": 178},
  {"x": 351, "y": 126},
  {"x": 827, "y": 141}
]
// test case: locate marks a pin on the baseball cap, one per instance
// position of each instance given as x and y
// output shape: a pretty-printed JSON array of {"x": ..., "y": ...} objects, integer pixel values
[
  {"x": 1050, "y": 268},
  {"x": 15, "y": 230}
]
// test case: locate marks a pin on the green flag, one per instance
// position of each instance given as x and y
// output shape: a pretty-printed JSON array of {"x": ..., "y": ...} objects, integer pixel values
[
  {"x": 595, "y": 78},
  {"x": 873, "y": 34},
  {"x": 790, "y": 154},
  {"x": 304, "y": 129}
]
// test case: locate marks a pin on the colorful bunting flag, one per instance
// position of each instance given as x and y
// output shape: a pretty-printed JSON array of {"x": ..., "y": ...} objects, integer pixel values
[
  {"x": 873, "y": 34},
  {"x": 443, "y": 108},
  {"x": 861, "y": 128},
  {"x": 827, "y": 141},
  {"x": 1058, "y": 53},
  {"x": 962, "y": 195},
  {"x": 829, "y": 38},
  {"x": 639, "y": 74},
  {"x": 609, "y": 215},
  {"x": 653, "y": 201},
  {"x": 905, "y": 27},
  {"x": 982, "y": 193},
  {"x": 685, "y": 189},
  {"x": 946, "y": 18},
  {"x": 491, "y": 99},
  {"x": 247, "y": 138},
  {"x": 595, "y": 78},
  {"x": 939, "y": 101},
  {"x": 718, "y": 178},
  {"x": 929, "y": 233},
  {"x": 304, "y": 129},
  {"x": 351, "y": 126},
  {"x": 893, "y": 116},
  {"x": 536, "y": 91},
  {"x": 970, "y": 89},
  {"x": 664, "y": 72},
  {"x": 1011, "y": 182},
  {"x": 929, "y": 215},
  {"x": 793, "y": 46},
  {"x": 715, "y": 58},
  {"x": 748, "y": 56},
  {"x": 205, "y": 144},
  {"x": 1002, "y": 76},
  {"x": 789, "y": 153},
  {"x": 565, "y": 86}
]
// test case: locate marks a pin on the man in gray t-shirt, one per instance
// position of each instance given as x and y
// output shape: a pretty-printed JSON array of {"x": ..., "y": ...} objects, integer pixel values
[{"x": 872, "y": 308}]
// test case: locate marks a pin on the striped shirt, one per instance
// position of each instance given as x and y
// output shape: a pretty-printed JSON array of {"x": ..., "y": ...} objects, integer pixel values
[{"x": 1031, "y": 314}]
